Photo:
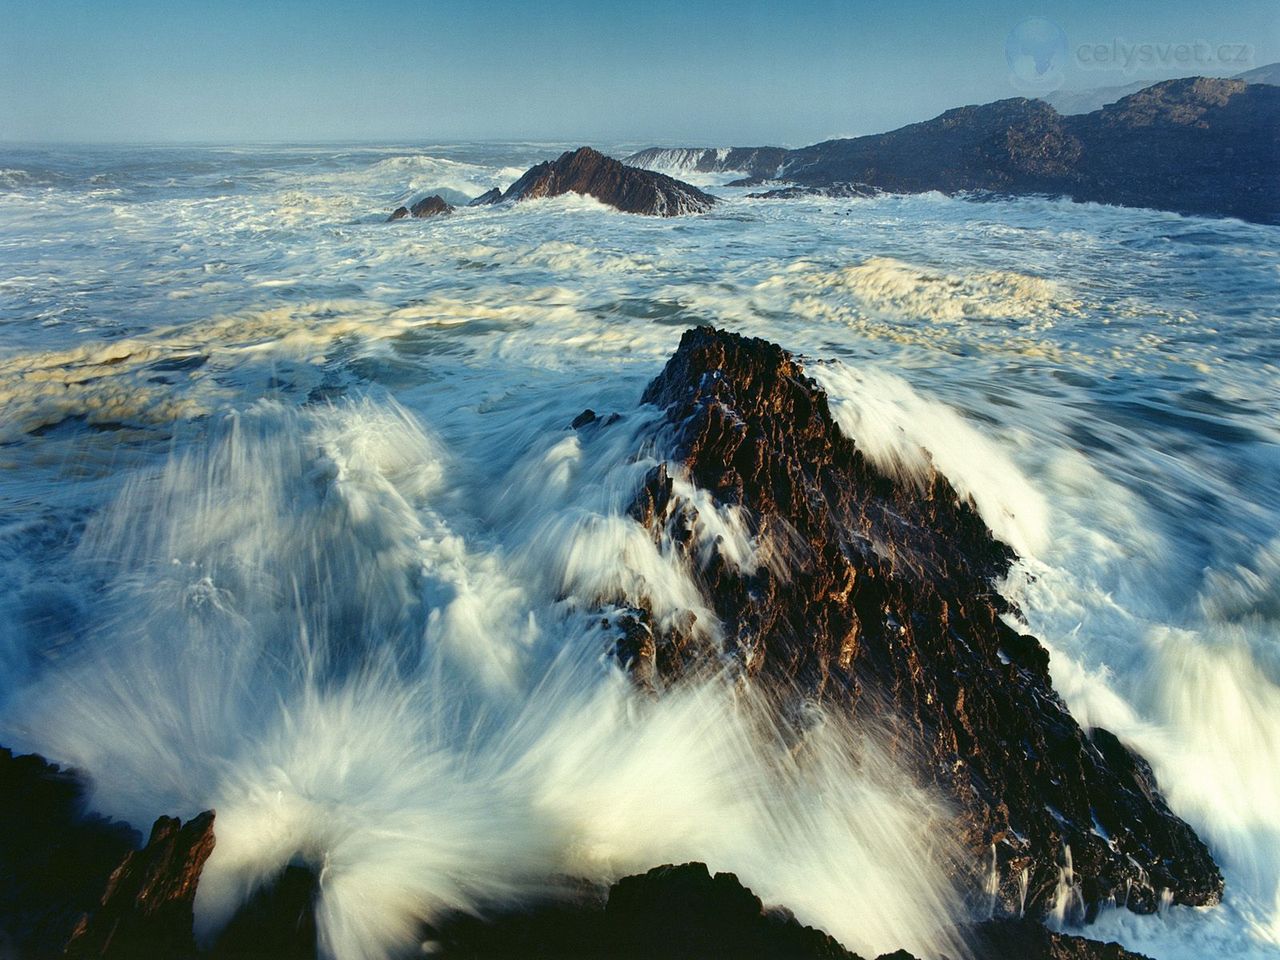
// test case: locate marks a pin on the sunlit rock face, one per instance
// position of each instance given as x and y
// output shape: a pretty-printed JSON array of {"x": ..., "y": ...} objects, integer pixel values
[
  {"x": 630, "y": 189},
  {"x": 879, "y": 593}
]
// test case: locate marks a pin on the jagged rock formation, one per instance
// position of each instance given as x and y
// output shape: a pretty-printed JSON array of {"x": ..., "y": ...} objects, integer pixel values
[
  {"x": 1196, "y": 145},
  {"x": 887, "y": 607},
  {"x": 146, "y": 910},
  {"x": 73, "y": 885},
  {"x": 670, "y": 912},
  {"x": 55, "y": 857},
  {"x": 433, "y": 206},
  {"x": 753, "y": 161},
  {"x": 685, "y": 913},
  {"x": 629, "y": 189},
  {"x": 488, "y": 198}
]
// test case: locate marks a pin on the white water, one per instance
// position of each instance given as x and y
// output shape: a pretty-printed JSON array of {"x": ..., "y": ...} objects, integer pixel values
[{"x": 318, "y": 549}]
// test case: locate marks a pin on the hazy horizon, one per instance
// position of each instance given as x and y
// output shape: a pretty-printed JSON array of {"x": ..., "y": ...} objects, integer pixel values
[{"x": 705, "y": 73}]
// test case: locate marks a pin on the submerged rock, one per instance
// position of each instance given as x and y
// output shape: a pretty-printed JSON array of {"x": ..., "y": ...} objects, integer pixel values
[
  {"x": 835, "y": 190},
  {"x": 433, "y": 206},
  {"x": 629, "y": 189},
  {"x": 885, "y": 604}
]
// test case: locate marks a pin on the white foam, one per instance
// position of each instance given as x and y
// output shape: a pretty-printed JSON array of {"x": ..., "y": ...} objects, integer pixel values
[{"x": 909, "y": 435}]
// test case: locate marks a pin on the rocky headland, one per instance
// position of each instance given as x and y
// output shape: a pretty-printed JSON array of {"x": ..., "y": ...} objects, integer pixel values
[{"x": 1197, "y": 145}]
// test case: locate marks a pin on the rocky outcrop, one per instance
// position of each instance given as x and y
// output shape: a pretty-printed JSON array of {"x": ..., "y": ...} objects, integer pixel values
[
  {"x": 686, "y": 913},
  {"x": 1197, "y": 145},
  {"x": 887, "y": 607},
  {"x": 488, "y": 198},
  {"x": 629, "y": 189},
  {"x": 433, "y": 206},
  {"x": 1025, "y": 940},
  {"x": 146, "y": 910},
  {"x": 55, "y": 857},
  {"x": 670, "y": 913},
  {"x": 73, "y": 885}
]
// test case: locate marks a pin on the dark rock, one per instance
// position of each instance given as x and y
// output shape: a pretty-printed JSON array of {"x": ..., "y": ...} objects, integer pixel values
[
  {"x": 146, "y": 909},
  {"x": 629, "y": 189},
  {"x": 55, "y": 857},
  {"x": 1025, "y": 940},
  {"x": 1197, "y": 145},
  {"x": 433, "y": 206},
  {"x": 669, "y": 913},
  {"x": 487, "y": 198},
  {"x": 584, "y": 418},
  {"x": 889, "y": 609},
  {"x": 278, "y": 922}
]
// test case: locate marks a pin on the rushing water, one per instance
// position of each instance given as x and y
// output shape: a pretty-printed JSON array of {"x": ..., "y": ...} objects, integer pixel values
[{"x": 292, "y": 523}]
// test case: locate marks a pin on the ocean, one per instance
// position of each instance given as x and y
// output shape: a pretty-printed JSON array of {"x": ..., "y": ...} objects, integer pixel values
[{"x": 293, "y": 523}]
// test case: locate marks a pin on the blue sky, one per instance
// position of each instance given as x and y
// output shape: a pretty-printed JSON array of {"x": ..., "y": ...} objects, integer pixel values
[{"x": 701, "y": 71}]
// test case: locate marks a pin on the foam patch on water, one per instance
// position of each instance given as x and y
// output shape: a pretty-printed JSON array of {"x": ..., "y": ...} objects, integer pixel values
[{"x": 887, "y": 284}]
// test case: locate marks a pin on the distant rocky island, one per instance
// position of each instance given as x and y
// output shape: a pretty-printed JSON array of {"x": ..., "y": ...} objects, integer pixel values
[
  {"x": 1196, "y": 145},
  {"x": 589, "y": 173}
]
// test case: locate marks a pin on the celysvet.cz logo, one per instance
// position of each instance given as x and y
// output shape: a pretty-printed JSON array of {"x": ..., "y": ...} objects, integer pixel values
[
  {"x": 1118, "y": 54},
  {"x": 1039, "y": 56}
]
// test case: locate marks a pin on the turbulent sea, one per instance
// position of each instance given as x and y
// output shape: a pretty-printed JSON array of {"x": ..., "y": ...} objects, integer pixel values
[{"x": 293, "y": 524}]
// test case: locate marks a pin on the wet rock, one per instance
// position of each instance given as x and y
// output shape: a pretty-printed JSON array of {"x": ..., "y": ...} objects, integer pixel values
[
  {"x": 670, "y": 913},
  {"x": 1026, "y": 940},
  {"x": 433, "y": 206},
  {"x": 585, "y": 417},
  {"x": 487, "y": 198},
  {"x": 629, "y": 189},
  {"x": 887, "y": 608},
  {"x": 278, "y": 922},
  {"x": 55, "y": 857},
  {"x": 146, "y": 910},
  {"x": 684, "y": 911}
]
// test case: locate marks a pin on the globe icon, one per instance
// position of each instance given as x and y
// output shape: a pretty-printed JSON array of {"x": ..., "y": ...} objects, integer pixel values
[{"x": 1036, "y": 50}]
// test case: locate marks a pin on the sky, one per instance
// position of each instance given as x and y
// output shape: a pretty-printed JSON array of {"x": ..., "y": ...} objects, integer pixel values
[{"x": 696, "y": 71}]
